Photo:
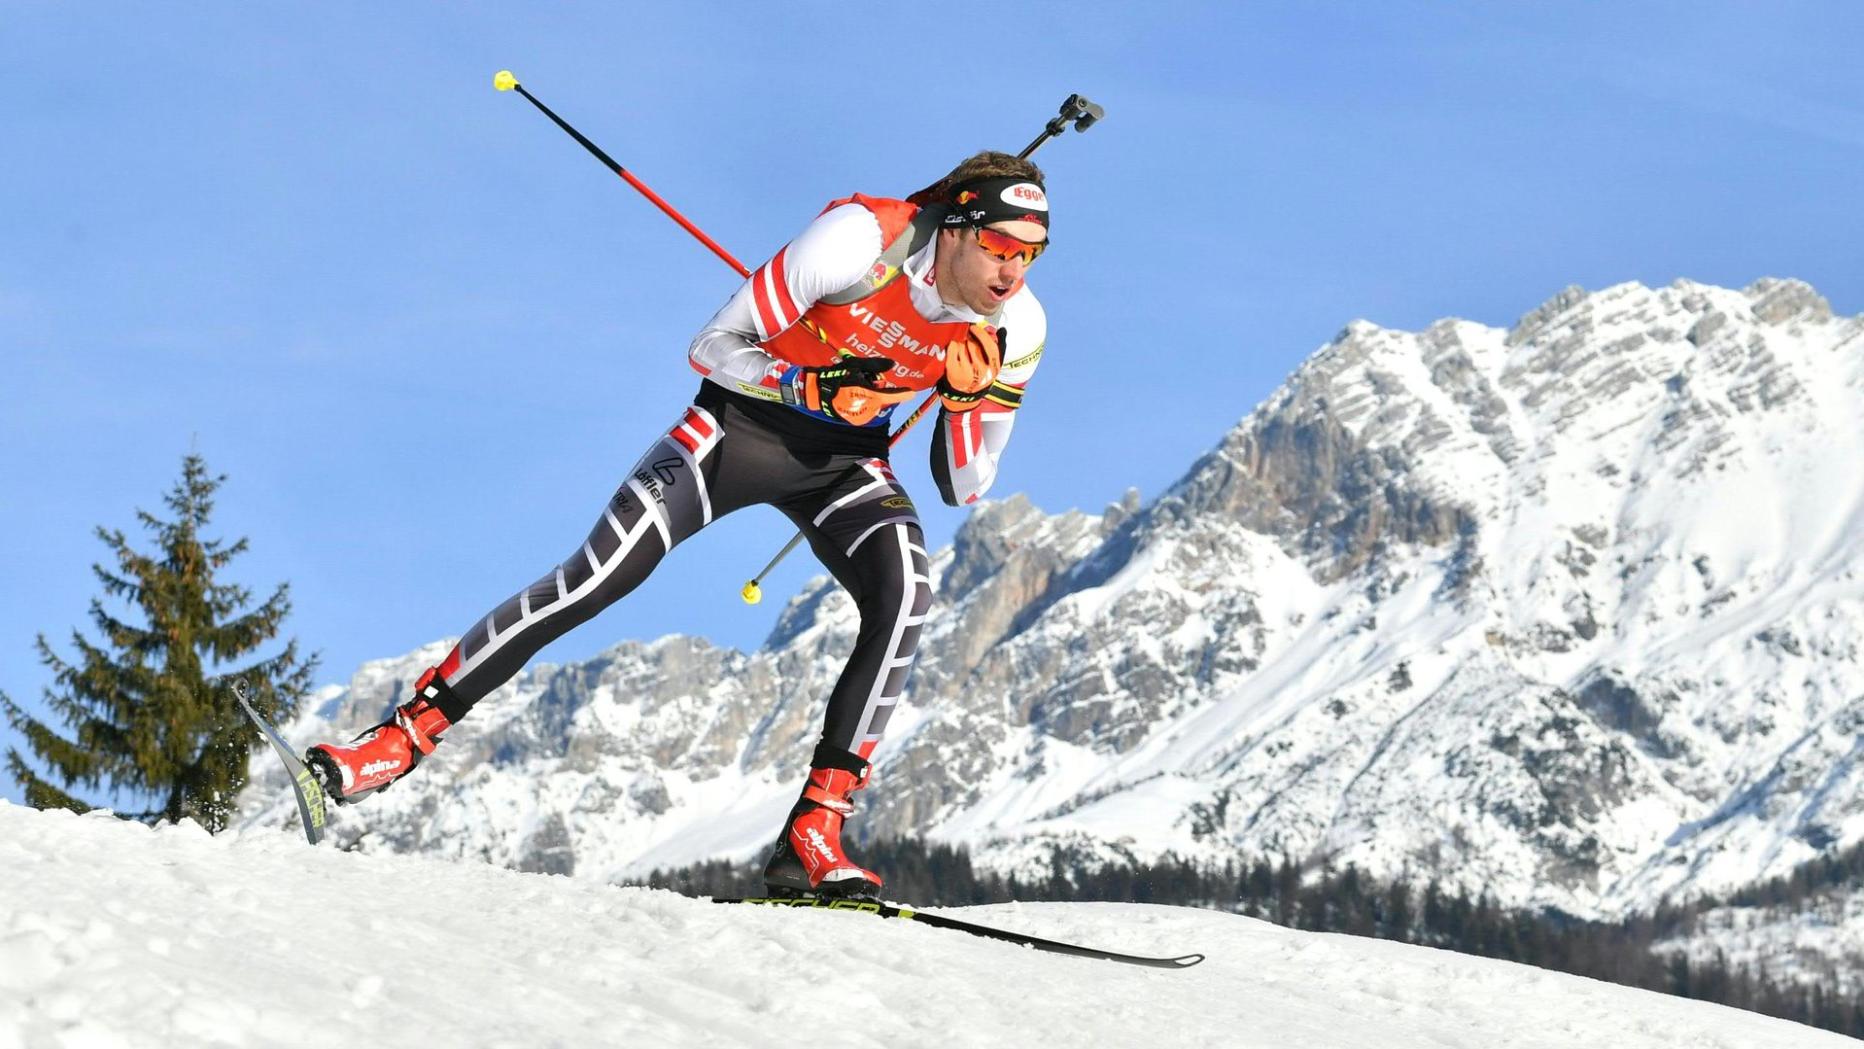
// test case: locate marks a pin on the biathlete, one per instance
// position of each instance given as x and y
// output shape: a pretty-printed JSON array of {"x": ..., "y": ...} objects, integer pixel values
[{"x": 876, "y": 299}]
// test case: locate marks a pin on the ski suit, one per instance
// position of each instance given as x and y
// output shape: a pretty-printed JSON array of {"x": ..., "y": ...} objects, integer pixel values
[{"x": 859, "y": 276}]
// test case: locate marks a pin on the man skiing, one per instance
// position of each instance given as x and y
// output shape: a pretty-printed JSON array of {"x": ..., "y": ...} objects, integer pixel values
[{"x": 874, "y": 300}]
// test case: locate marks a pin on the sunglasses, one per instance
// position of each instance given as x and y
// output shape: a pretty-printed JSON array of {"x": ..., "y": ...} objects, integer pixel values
[{"x": 1002, "y": 246}]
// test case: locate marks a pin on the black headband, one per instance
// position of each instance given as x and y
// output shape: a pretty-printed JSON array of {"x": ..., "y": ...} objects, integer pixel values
[{"x": 982, "y": 201}]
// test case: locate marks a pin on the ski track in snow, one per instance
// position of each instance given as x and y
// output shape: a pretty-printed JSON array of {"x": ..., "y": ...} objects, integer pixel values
[{"x": 115, "y": 934}]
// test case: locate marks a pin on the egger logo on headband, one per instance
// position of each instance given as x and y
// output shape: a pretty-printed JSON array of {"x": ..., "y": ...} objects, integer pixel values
[{"x": 1025, "y": 195}]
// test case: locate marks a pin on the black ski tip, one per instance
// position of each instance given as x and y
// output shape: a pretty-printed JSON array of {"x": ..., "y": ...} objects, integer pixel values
[{"x": 1185, "y": 961}]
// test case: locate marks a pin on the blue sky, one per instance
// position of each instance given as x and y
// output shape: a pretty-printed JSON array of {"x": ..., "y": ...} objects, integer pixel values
[{"x": 425, "y": 334}]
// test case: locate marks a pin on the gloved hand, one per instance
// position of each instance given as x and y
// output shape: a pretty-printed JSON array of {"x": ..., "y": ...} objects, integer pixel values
[
  {"x": 848, "y": 389},
  {"x": 971, "y": 365}
]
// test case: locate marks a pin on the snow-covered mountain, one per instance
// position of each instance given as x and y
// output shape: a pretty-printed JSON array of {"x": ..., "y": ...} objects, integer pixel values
[
  {"x": 1568, "y": 612},
  {"x": 116, "y": 934}
]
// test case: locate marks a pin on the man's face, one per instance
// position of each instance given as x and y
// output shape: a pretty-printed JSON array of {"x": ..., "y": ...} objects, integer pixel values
[{"x": 972, "y": 277}]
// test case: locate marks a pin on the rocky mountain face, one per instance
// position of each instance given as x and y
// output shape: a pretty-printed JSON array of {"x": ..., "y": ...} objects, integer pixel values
[{"x": 1569, "y": 612}]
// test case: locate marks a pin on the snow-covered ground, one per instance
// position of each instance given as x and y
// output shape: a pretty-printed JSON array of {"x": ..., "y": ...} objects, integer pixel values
[{"x": 114, "y": 934}]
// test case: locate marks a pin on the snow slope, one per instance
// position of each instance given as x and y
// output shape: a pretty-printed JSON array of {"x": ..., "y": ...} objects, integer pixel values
[{"x": 114, "y": 934}]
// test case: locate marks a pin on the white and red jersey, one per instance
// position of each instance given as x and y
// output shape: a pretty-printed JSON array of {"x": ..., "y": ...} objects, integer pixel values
[{"x": 778, "y": 319}]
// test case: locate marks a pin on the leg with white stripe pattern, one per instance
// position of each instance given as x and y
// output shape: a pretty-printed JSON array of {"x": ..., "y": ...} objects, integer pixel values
[{"x": 874, "y": 547}]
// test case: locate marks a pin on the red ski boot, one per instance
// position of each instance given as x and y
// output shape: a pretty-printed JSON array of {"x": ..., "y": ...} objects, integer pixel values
[
  {"x": 809, "y": 856},
  {"x": 380, "y": 756}
]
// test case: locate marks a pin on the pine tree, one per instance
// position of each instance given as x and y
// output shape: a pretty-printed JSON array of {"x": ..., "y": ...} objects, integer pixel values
[{"x": 148, "y": 708}]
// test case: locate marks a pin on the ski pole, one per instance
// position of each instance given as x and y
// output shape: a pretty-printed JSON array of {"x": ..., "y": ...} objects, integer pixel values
[
  {"x": 1075, "y": 110},
  {"x": 505, "y": 81}
]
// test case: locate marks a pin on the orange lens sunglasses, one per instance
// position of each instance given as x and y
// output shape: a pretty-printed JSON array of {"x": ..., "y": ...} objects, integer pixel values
[{"x": 1000, "y": 245}]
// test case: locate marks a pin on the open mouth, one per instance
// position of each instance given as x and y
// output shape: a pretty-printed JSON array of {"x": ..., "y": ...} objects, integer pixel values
[{"x": 1001, "y": 291}]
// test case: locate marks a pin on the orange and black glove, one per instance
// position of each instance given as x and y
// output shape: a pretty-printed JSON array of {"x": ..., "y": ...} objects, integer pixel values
[
  {"x": 848, "y": 390},
  {"x": 971, "y": 365}
]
